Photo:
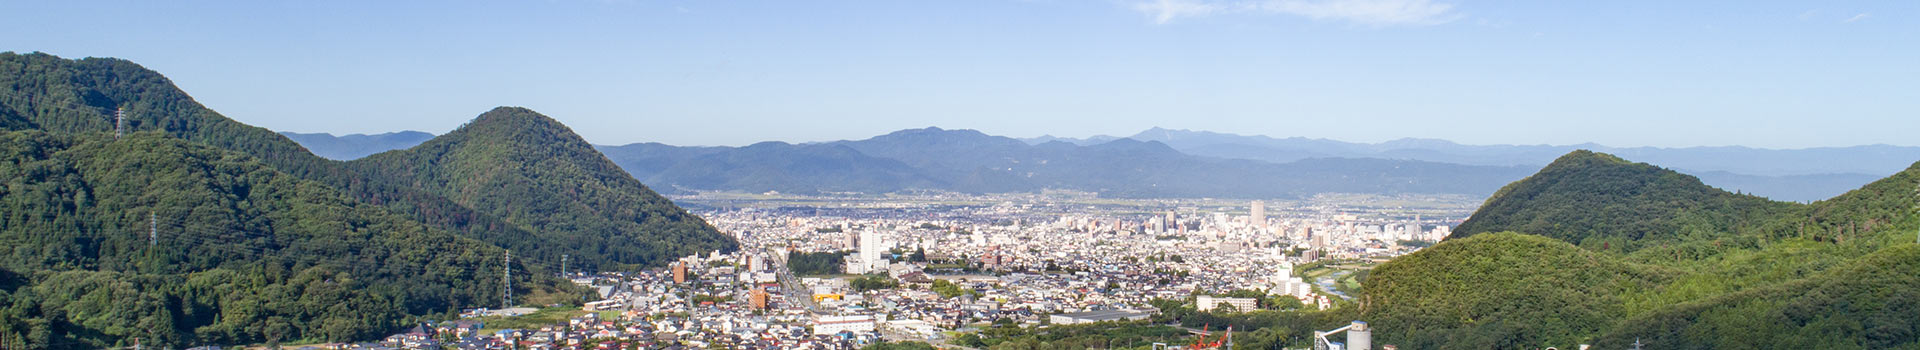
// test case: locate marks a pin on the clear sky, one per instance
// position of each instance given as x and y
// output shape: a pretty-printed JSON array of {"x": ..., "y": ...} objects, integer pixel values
[{"x": 1776, "y": 74}]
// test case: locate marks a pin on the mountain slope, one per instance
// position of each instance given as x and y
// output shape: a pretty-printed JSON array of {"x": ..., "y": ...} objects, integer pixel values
[
  {"x": 1868, "y": 304},
  {"x": 44, "y": 92},
  {"x": 1729, "y": 271},
  {"x": 537, "y": 174},
  {"x": 1502, "y": 291},
  {"x": 1598, "y": 200},
  {"x": 356, "y": 146},
  {"x": 237, "y": 252}
]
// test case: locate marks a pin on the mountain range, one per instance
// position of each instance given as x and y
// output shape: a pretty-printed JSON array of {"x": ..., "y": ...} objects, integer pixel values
[
  {"x": 970, "y": 161},
  {"x": 1595, "y": 249},
  {"x": 134, "y": 211},
  {"x": 974, "y": 162},
  {"x": 356, "y": 146}
]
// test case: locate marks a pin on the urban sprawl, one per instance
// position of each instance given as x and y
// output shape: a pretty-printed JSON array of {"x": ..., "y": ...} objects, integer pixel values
[{"x": 927, "y": 267}]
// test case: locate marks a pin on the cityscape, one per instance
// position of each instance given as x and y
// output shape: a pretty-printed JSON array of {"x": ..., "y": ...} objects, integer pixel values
[
  {"x": 959, "y": 175},
  {"x": 925, "y": 267}
]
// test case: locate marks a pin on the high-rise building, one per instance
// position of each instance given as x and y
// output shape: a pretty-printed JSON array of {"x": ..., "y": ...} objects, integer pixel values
[
  {"x": 757, "y": 298},
  {"x": 680, "y": 272},
  {"x": 1259, "y": 215},
  {"x": 870, "y": 256}
]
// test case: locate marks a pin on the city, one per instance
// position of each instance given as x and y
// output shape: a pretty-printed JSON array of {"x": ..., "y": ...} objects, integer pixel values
[{"x": 933, "y": 266}]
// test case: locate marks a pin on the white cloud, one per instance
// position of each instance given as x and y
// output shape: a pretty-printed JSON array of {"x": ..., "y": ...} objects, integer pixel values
[
  {"x": 1373, "y": 12},
  {"x": 1857, "y": 17}
]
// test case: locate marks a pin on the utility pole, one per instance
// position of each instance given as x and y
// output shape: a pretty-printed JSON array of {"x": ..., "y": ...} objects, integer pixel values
[{"x": 506, "y": 282}]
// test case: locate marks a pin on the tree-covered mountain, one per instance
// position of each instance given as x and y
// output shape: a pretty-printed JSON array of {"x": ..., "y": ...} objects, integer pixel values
[
  {"x": 1709, "y": 269},
  {"x": 538, "y": 175},
  {"x": 178, "y": 243},
  {"x": 356, "y": 146},
  {"x": 1595, "y": 199},
  {"x": 970, "y": 161},
  {"x": 44, "y": 92},
  {"x": 1501, "y": 291},
  {"x": 78, "y": 99}
]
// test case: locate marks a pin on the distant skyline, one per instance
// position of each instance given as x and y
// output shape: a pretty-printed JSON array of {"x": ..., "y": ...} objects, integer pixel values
[{"x": 1767, "y": 74}]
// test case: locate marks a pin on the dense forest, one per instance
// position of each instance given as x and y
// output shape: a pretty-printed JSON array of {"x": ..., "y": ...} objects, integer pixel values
[
  {"x": 182, "y": 244},
  {"x": 252, "y": 260},
  {"x": 1610, "y": 251},
  {"x": 44, "y": 92},
  {"x": 524, "y": 167}
]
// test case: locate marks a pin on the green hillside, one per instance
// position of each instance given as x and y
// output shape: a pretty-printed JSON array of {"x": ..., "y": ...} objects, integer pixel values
[
  {"x": 236, "y": 253},
  {"x": 1501, "y": 291},
  {"x": 1602, "y": 202},
  {"x": 537, "y": 174},
  {"x": 43, "y": 92},
  {"x": 1723, "y": 270},
  {"x": 1871, "y": 303}
]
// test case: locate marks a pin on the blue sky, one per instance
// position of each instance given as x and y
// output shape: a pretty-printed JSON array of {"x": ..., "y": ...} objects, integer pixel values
[{"x": 1776, "y": 74}]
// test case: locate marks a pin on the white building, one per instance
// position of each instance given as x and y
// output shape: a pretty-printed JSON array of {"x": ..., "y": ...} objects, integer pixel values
[
  {"x": 1096, "y": 316},
  {"x": 870, "y": 258},
  {"x": 1208, "y": 303},
  {"x": 830, "y": 325}
]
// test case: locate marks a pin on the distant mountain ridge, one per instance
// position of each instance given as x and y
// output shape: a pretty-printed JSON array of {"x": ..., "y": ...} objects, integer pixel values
[
  {"x": 356, "y": 146},
  {"x": 1877, "y": 160},
  {"x": 1801, "y": 175},
  {"x": 974, "y": 162}
]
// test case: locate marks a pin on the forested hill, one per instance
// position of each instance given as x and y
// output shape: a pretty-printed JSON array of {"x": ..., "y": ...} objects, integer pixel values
[
  {"x": 236, "y": 253},
  {"x": 43, "y": 92},
  {"x": 1661, "y": 259},
  {"x": 1601, "y": 201},
  {"x": 537, "y": 174},
  {"x": 75, "y": 100}
]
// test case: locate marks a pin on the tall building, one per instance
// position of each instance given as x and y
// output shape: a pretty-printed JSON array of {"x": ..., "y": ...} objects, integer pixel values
[
  {"x": 1259, "y": 217},
  {"x": 757, "y": 298},
  {"x": 680, "y": 272},
  {"x": 870, "y": 257}
]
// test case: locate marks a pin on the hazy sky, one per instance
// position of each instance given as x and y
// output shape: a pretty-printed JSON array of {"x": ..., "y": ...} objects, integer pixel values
[{"x": 1779, "y": 74}]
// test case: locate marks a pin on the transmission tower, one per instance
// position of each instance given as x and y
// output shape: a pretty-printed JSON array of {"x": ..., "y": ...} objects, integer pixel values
[
  {"x": 563, "y": 265},
  {"x": 506, "y": 281},
  {"x": 153, "y": 230},
  {"x": 119, "y": 122}
]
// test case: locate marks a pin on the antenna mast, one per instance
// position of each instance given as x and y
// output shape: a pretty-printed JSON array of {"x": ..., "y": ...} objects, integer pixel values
[{"x": 506, "y": 281}]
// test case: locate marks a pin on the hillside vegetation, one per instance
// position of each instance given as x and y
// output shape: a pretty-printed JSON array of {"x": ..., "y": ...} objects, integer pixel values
[
  {"x": 1663, "y": 259},
  {"x": 270, "y": 243},
  {"x": 235, "y": 252},
  {"x": 535, "y": 173},
  {"x": 1501, "y": 290}
]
